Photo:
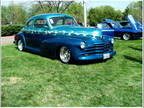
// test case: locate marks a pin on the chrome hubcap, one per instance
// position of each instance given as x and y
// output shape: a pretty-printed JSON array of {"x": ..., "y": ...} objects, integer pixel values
[
  {"x": 126, "y": 36},
  {"x": 20, "y": 45},
  {"x": 65, "y": 54}
]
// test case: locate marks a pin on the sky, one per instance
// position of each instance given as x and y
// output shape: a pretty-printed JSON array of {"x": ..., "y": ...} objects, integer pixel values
[{"x": 116, "y": 4}]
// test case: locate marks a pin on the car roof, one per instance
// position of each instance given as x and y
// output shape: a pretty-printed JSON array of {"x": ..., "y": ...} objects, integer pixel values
[{"x": 49, "y": 15}]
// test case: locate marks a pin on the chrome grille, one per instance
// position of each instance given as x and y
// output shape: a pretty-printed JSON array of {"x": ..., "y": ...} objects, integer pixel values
[{"x": 98, "y": 48}]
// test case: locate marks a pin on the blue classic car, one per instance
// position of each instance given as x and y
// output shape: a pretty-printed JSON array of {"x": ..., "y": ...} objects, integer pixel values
[
  {"x": 126, "y": 30},
  {"x": 58, "y": 35},
  {"x": 126, "y": 24}
]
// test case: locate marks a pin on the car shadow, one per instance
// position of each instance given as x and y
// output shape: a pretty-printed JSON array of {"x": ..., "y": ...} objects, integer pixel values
[
  {"x": 74, "y": 62},
  {"x": 138, "y": 49},
  {"x": 133, "y": 59},
  {"x": 35, "y": 53},
  {"x": 88, "y": 62}
]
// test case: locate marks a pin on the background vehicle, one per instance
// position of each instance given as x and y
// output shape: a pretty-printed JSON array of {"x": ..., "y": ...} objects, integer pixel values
[
  {"x": 58, "y": 35},
  {"x": 124, "y": 29},
  {"x": 124, "y": 24}
]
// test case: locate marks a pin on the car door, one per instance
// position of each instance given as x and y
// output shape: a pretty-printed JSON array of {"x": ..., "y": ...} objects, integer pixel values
[
  {"x": 41, "y": 31},
  {"x": 28, "y": 32}
]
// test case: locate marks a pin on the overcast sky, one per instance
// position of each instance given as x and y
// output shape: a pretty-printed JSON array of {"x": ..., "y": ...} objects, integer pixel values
[{"x": 117, "y": 4}]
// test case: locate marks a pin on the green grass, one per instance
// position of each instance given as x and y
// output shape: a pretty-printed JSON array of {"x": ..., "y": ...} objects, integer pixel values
[{"x": 32, "y": 80}]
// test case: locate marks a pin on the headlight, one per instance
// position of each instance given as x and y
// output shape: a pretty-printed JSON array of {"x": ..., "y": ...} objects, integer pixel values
[
  {"x": 112, "y": 41},
  {"x": 101, "y": 37},
  {"x": 95, "y": 33},
  {"x": 82, "y": 45}
]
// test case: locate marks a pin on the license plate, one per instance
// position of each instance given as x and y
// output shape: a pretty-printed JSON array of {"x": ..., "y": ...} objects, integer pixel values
[{"x": 106, "y": 56}]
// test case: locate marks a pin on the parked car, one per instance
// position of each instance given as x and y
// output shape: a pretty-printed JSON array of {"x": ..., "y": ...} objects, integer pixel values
[
  {"x": 126, "y": 24},
  {"x": 126, "y": 30},
  {"x": 59, "y": 35}
]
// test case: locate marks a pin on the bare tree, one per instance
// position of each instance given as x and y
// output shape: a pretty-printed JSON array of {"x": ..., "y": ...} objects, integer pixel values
[
  {"x": 41, "y": 6},
  {"x": 59, "y": 5}
]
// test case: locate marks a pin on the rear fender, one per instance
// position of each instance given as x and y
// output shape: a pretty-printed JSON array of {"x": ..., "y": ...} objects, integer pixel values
[{"x": 21, "y": 36}]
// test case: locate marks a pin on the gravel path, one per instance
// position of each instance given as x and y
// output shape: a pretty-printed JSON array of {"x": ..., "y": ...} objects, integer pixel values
[{"x": 6, "y": 40}]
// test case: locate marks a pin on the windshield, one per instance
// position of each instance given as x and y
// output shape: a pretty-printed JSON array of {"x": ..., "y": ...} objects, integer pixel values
[
  {"x": 103, "y": 25},
  {"x": 116, "y": 25},
  {"x": 56, "y": 21}
]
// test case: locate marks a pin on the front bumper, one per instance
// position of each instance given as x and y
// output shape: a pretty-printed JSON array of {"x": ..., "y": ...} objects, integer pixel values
[{"x": 96, "y": 56}]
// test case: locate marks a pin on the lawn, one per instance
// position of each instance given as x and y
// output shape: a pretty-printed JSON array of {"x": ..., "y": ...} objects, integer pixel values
[{"x": 32, "y": 80}]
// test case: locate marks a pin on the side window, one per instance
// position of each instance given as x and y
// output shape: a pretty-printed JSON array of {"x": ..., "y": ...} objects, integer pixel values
[
  {"x": 59, "y": 22},
  {"x": 29, "y": 24},
  {"x": 39, "y": 23},
  {"x": 56, "y": 21},
  {"x": 69, "y": 21}
]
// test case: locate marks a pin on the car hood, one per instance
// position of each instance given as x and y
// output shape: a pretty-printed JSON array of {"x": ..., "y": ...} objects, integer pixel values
[
  {"x": 77, "y": 31},
  {"x": 109, "y": 21},
  {"x": 133, "y": 23},
  {"x": 113, "y": 23}
]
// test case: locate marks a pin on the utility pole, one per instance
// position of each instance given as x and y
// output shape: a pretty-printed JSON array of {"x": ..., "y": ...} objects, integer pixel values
[
  {"x": 12, "y": 4},
  {"x": 85, "y": 13}
]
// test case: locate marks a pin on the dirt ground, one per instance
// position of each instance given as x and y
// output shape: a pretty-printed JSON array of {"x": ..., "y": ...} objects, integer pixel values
[{"x": 6, "y": 40}]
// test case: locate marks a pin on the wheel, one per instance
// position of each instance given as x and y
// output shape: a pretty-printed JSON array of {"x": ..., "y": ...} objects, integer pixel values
[
  {"x": 65, "y": 54},
  {"x": 126, "y": 36},
  {"x": 20, "y": 45}
]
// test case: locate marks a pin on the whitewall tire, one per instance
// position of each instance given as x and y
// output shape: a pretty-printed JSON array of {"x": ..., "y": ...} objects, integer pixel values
[
  {"x": 65, "y": 54},
  {"x": 126, "y": 36},
  {"x": 20, "y": 45}
]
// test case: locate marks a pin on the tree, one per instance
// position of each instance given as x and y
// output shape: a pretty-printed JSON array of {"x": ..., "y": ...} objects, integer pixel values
[
  {"x": 118, "y": 15},
  {"x": 95, "y": 15},
  {"x": 76, "y": 10},
  {"x": 98, "y": 14},
  {"x": 13, "y": 14},
  {"x": 135, "y": 9},
  {"x": 5, "y": 16},
  {"x": 58, "y": 6},
  {"x": 125, "y": 13}
]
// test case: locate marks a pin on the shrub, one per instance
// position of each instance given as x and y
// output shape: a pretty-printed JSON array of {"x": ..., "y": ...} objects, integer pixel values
[{"x": 8, "y": 30}]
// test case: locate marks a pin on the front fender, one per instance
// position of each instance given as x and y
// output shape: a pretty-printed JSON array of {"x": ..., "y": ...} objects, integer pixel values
[
  {"x": 51, "y": 46},
  {"x": 107, "y": 38}
]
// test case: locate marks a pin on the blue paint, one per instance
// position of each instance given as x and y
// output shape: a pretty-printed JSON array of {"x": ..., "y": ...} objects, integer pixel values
[{"x": 33, "y": 49}]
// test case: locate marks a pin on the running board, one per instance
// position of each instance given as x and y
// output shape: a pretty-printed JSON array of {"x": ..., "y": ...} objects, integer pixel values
[
  {"x": 117, "y": 37},
  {"x": 33, "y": 49}
]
